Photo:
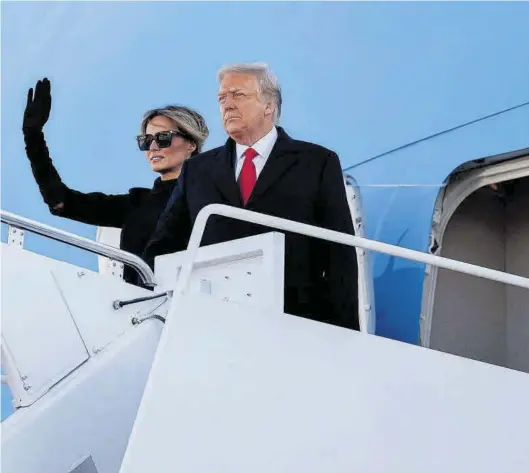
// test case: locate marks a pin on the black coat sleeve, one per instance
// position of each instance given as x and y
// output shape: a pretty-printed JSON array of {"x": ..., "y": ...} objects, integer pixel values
[
  {"x": 174, "y": 225},
  {"x": 94, "y": 208},
  {"x": 340, "y": 264}
]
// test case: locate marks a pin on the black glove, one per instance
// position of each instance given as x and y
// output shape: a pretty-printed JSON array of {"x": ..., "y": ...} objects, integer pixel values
[
  {"x": 36, "y": 115},
  {"x": 38, "y": 106}
]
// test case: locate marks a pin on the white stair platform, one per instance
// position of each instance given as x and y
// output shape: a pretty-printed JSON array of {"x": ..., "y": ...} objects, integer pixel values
[
  {"x": 87, "y": 420},
  {"x": 235, "y": 389},
  {"x": 77, "y": 367}
]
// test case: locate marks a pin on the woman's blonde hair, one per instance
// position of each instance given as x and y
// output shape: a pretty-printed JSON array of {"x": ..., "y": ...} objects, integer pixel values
[{"x": 188, "y": 121}]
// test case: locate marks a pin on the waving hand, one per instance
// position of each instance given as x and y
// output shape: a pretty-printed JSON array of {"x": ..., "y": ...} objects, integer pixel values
[{"x": 38, "y": 106}]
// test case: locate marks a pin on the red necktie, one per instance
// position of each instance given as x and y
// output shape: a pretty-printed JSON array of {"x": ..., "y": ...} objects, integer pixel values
[{"x": 248, "y": 175}]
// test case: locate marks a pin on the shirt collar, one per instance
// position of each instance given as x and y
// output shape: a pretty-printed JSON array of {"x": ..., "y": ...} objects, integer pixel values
[{"x": 263, "y": 146}]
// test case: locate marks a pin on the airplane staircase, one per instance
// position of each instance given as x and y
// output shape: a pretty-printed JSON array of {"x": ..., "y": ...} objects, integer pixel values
[{"x": 207, "y": 373}]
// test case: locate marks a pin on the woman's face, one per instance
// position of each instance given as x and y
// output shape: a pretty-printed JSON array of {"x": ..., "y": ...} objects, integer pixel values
[{"x": 167, "y": 161}]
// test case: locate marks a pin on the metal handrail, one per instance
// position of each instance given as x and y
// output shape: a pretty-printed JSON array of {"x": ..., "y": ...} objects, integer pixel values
[
  {"x": 141, "y": 267},
  {"x": 329, "y": 235}
]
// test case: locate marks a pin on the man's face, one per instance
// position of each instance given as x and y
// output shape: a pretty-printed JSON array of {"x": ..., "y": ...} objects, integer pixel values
[{"x": 243, "y": 110}]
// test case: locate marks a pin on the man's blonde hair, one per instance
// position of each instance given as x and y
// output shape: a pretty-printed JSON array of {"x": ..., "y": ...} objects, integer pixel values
[{"x": 268, "y": 83}]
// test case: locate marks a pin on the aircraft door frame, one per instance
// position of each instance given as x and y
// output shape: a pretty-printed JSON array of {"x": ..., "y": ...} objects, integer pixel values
[{"x": 366, "y": 293}]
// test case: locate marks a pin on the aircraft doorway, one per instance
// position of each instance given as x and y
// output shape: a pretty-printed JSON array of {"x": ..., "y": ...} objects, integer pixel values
[{"x": 481, "y": 218}]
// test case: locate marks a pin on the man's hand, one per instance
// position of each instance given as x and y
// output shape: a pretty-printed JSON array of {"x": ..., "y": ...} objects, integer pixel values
[{"x": 38, "y": 106}]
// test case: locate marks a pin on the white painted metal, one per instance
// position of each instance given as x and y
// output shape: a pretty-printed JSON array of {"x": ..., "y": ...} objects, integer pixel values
[
  {"x": 330, "y": 235},
  {"x": 247, "y": 270},
  {"x": 80, "y": 242},
  {"x": 15, "y": 236},
  {"x": 98, "y": 322},
  {"x": 68, "y": 304},
  {"x": 54, "y": 316},
  {"x": 449, "y": 199},
  {"x": 90, "y": 413},
  {"x": 366, "y": 292},
  {"x": 85, "y": 465},
  {"x": 234, "y": 389},
  {"x": 341, "y": 423},
  {"x": 109, "y": 236},
  {"x": 40, "y": 340},
  {"x": 327, "y": 372}
]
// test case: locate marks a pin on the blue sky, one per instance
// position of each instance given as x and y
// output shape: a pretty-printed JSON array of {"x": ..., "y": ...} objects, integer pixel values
[{"x": 360, "y": 78}]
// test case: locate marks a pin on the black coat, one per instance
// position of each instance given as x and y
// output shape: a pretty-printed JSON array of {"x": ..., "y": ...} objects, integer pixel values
[
  {"x": 135, "y": 213},
  {"x": 300, "y": 181}
]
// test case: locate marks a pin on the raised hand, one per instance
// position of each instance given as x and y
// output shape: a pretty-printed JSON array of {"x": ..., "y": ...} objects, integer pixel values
[{"x": 38, "y": 106}]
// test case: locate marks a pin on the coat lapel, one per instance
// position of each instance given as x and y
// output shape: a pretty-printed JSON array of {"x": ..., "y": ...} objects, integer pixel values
[
  {"x": 284, "y": 155},
  {"x": 224, "y": 174}
]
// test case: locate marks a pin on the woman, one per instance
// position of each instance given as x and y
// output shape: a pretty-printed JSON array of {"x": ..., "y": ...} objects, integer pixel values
[{"x": 168, "y": 137}]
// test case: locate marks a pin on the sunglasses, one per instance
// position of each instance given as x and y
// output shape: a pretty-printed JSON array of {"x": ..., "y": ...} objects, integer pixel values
[{"x": 163, "y": 139}]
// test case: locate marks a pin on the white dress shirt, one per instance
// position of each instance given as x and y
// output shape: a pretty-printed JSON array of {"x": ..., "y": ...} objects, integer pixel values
[{"x": 263, "y": 147}]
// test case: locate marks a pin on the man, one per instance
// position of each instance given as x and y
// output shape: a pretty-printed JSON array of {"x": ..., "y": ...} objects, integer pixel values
[{"x": 261, "y": 168}]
